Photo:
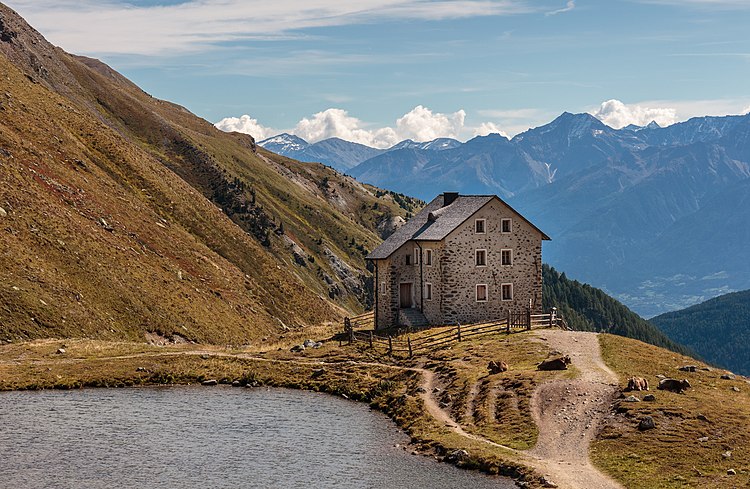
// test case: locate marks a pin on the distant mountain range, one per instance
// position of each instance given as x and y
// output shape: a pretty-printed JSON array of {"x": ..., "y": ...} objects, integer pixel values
[
  {"x": 718, "y": 330},
  {"x": 340, "y": 154},
  {"x": 657, "y": 217}
]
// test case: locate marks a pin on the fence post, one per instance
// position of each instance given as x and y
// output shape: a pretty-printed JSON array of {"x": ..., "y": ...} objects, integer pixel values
[
  {"x": 349, "y": 329},
  {"x": 408, "y": 343},
  {"x": 390, "y": 345},
  {"x": 528, "y": 319},
  {"x": 507, "y": 314},
  {"x": 459, "y": 332},
  {"x": 552, "y": 318}
]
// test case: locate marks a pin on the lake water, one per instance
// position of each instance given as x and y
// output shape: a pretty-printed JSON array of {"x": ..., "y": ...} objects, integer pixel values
[{"x": 209, "y": 437}]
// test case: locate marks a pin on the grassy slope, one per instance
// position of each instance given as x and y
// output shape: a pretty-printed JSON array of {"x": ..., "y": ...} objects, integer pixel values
[
  {"x": 718, "y": 329},
  {"x": 671, "y": 455},
  {"x": 103, "y": 239}
]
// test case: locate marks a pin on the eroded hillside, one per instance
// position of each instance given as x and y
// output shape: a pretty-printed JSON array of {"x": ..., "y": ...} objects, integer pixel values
[{"x": 123, "y": 214}]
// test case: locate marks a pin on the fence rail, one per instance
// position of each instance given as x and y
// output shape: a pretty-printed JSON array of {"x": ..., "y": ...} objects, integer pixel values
[{"x": 397, "y": 344}]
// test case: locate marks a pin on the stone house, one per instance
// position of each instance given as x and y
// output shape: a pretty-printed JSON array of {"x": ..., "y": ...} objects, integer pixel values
[{"x": 462, "y": 259}]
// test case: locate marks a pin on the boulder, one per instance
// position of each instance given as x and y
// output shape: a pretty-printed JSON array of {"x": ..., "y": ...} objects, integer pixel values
[
  {"x": 236, "y": 383},
  {"x": 457, "y": 456},
  {"x": 631, "y": 399},
  {"x": 637, "y": 384},
  {"x": 3, "y": 212},
  {"x": 728, "y": 376},
  {"x": 318, "y": 372},
  {"x": 210, "y": 382},
  {"x": 60, "y": 351},
  {"x": 495, "y": 367},
  {"x": 731, "y": 472},
  {"x": 674, "y": 385},
  {"x": 649, "y": 398},
  {"x": 560, "y": 363},
  {"x": 297, "y": 348},
  {"x": 308, "y": 343},
  {"x": 688, "y": 368},
  {"x": 647, "y": 423}
]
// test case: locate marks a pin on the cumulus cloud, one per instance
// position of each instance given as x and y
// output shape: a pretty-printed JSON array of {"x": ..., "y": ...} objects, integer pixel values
[
  {"x": 419, "y": 124},
  {"x": 486, "y": 128},
  {"x": 617, "y": 114},
  {"x": 247, "y": 125}
]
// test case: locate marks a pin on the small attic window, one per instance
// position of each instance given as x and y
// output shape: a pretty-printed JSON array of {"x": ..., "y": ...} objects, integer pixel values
[
  {"x": 479, "y": 226},
  {"x": 506, "y": 226}
]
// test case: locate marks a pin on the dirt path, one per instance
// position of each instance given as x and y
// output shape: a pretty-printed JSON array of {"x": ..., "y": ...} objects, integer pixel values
[{"x": 568, "y": 413}]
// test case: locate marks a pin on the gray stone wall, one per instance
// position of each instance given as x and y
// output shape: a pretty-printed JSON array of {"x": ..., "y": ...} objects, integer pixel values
[
  {"x": 454, "y": 274},
  {"x": 461, "y": 275}
]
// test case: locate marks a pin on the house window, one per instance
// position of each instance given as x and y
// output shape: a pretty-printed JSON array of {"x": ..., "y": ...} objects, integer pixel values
[
  {"x": 428, "y": 257},
  {"x": 428, "y": 291},
  {"x": 506, "y": 291},
  {"x": 481, "y": 292},
  {"x": 506, "y": 226},
  {"x": 479, "y": 226},
  {"x": 416, "y": 256},
  {"x": 480, "y": 258},
  {"x": 382, "y": 288},
  {"x": 408, "y": 259},
  {"x": 506, "y": 257}
]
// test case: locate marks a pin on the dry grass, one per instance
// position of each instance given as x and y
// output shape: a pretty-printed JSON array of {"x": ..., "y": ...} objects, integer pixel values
[{"x": 672, "y": 454}]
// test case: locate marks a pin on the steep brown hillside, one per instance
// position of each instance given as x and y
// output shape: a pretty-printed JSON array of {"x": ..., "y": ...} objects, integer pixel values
[{"x": 123, "y": 214}]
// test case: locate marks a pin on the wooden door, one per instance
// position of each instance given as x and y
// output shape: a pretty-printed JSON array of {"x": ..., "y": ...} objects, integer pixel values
[{"x": 405, "y": 295}]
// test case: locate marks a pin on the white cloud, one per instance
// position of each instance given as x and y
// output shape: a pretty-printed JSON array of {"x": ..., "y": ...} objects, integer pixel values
[
  {"x": 419, "y": 124},
  {"x": 567, "y": 8},
  {"x": 246, "y": 125},
  {"x": 617, "y": 114},
  {"x": 119, "y": 27},
  {"x": 486, "y": 128}
]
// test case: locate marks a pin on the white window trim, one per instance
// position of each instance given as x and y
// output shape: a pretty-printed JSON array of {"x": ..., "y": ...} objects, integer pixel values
[
  {"x": 416, "y": 255},
  {"x": 475, "y": 257},
  {"x": 428, "y": 286},
  {"x": 502, "y": 286},
  {"x": 383, "y": 288},
  {"x": 486, "y": 293},
  {"x": 428, "y": 256},
  {"x": 511, "y": 257},
  {"x": 484, "y": 226},
  {"x": 511, "y": 225}
]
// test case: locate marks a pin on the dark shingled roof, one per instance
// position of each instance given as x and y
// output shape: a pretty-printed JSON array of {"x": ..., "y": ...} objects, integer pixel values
[{"x": 435, "y": 222}]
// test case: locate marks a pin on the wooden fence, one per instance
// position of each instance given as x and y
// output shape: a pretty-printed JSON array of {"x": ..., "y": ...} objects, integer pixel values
[{"x": 514, "y": 322}]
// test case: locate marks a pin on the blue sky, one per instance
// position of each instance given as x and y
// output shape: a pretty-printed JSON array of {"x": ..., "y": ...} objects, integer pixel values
[{"x": 380, "y": 71}]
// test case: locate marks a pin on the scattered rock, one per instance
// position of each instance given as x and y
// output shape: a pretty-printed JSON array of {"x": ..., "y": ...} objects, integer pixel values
[
  {"x": 728, "y": 376},
  {"x": 421, "y": 390},
  {"x": 731, "y": 472},
  {"x": 210, "y": 382},
  {"x": 688, "y": 368},
  {"x": 317, "y": 373},
  {"x": 308, "y": 343},
  {"x": 674, "y": 385},
  {"x": 649, "y": 397},
  {"x": 140, "y": 369},
  {"x": 703, "y": 439},
  {"x": 660, "y": 376},
  {"x": 637, "y": 384},
  {"x": 703, "y": 417},
  {"x": 631, "y": 399},
  {"x": 317, "y": 345},
  {"x": 297, "y": 348},
  {"x": 647, "y": 423},
  {"x": 560, "y": 363},
  {"x": 60, "y": 351},
  {"x": 735, "y": 388},
  {"x": 105, "y": 225},
  {"x": 236, "y": 383},
  {"x": 546, "y": 482},
  {"x": 3, "y": 212},
  {"x": 495, "y": 367},
  {"x": 727, "y": 455},
  {"x": 457, "y": 456}
]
